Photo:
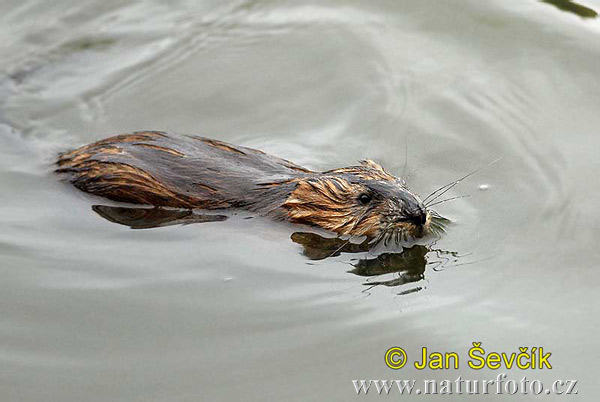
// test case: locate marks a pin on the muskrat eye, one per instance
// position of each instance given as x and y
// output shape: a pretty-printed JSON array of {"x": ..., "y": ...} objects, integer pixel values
[{"x": 364, "y": 198}]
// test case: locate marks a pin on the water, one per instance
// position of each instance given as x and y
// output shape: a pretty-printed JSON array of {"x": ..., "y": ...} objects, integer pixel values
[{"x": 236, "y": 310}]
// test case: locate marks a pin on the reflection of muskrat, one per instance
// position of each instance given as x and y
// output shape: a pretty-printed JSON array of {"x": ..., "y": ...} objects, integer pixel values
[{"x": 193, "y": 172}]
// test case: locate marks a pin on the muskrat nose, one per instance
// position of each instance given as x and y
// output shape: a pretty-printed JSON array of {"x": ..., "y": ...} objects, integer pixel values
[{"x": 417, "y": 216}]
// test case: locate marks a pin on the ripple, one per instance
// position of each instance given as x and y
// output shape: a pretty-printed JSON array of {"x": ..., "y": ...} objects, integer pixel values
[{"x": 453, "y": 85}]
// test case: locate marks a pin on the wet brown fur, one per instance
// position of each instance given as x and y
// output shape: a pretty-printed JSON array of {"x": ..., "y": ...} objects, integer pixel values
[{"x": 195, "y": 172}]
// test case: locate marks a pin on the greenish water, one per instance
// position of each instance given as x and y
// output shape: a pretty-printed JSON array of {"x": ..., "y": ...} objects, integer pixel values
[{"x": 249, "y": 309}]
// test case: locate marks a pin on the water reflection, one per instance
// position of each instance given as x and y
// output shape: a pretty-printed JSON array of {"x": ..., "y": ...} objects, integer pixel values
[
  {"x": 391, "y": 268},
  {"x": 404, "y": 266},
  {"x": 152, "y": 217},
  {"x": 572, "y": 7}
]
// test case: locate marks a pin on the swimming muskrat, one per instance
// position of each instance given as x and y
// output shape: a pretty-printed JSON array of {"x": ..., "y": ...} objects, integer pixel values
[{"x": 186, "y": 171}]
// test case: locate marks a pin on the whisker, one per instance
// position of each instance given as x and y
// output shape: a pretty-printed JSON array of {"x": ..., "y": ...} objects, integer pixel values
[
  {"x": 447, "y": 199},
  {"x": 380, "y": 235},
  {"x": 387, "y": 239},
  {"x": 405, "y": 160},
  {"x": 439, "y": 189},
  {"x": 378, "y": 238},
  {"x": 449, "y": 186}
]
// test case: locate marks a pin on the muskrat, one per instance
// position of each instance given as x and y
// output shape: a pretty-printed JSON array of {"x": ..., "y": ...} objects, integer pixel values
[{"x": 187, "y": 171}]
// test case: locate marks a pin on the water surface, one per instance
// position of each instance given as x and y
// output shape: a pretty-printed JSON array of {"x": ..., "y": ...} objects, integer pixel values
[{"x": 237, "y": 310}]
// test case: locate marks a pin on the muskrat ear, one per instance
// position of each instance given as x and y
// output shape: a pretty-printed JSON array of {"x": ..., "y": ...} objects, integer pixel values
[
  {"x": 372, "y": 164},
  {"x": 383, "y": 175}
]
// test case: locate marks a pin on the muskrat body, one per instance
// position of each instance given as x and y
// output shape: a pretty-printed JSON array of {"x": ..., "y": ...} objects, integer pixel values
[{"x": 185, "y": 171}]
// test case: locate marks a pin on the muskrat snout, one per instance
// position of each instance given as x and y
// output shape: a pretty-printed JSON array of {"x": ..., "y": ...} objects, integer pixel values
[
  {"x": 412, "y": 209},
  {"x": 417, "y": 216}
]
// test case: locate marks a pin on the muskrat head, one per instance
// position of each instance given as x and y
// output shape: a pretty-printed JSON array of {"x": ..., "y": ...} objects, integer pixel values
[{"x": 360, "y": 200}]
